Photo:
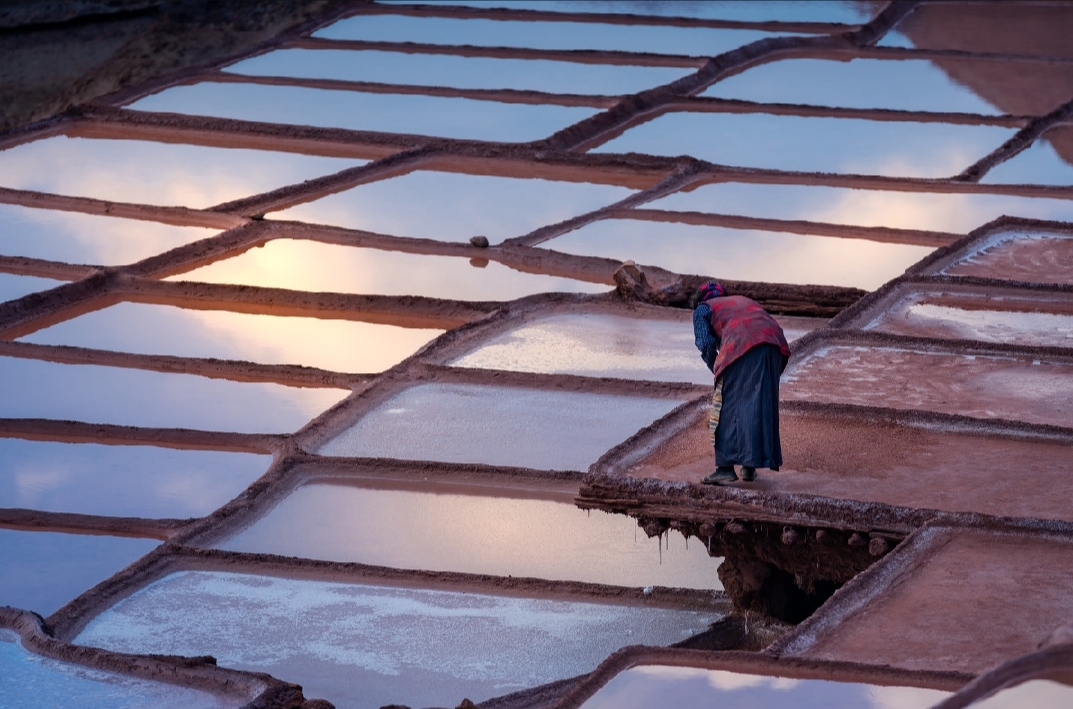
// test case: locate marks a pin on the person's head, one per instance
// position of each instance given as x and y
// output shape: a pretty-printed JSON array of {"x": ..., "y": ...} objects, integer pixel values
[{"x": 711, "y": 289}]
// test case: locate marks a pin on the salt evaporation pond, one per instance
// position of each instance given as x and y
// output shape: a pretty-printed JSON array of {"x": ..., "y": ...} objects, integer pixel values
[
  {"x": 89, "y": 238},
  {"x": 931, "y": 211},
  {"x": 458, "y": 72},
  {"x": 1019, "y": 256},
  {"x": 984, "y": 386},
  {"x": 695, "y": 688},
  {"x": 498, "y": 425},
  {"x": 453, "y": 207},
  {"x": 146, "y": 172},
  {"x": 42, "y": 571},
  {"x": 741, "y": 10},
  {"x": 814, "y": 144},
  {"x": 742, "y": 254},
  {"x": 605, "y": 345},
  {"x": 313, "y": 266},
  {"x": 908, "y": 85},
  {"x": 134, "y": 397},
  {"x": 339, "y": 345},
  {"x": 364, "y": 646},
  {"x": 495, "y": 532},
  {"x": 1039, "y": 164},
  {"x": 388, "y": 113},
  {"x": 1037, "y": 693},
  {"x": 34, "y": 682},
  {"x": 122, "y": 481}
]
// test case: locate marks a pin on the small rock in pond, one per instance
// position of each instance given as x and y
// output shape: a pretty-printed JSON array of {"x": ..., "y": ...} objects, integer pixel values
[{"x": 480, "y": 242}]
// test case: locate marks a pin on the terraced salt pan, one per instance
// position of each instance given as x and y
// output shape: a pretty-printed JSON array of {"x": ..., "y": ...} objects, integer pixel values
[
  {"x": 1043, "y": 693},
  {"x": 88, "y": 238},
  {"x": 1039, "y": 164},
  {"x": 15, "y": 286},
  {"x": 459, "y": 72},
  {"x": 339, "y": 345},
  {"x": 122, "y": 481},
  {"x": 603, "y": 345},
  {"x": 440, "y": 531},
  {"x": 453, "y": 207},
  {"x": 743, "y": 10},
  {"x": 814, "y": 144},
  {"x": 958, "y": 213},
  {"x": 389, "y": 113},
  {"x": 41, "y": 571},
  {"x": 30, "y": 681},
  {"x": 1019, "y": 256},
  {"x": 984, "y": 386},
  {"x": 694, "y": 41},
  {"x": 1025, "y": 321},
  {"x": 362, "y": 646},
  {"x": 313, "y": 266},
  {"x": 497, "y": 425},
  {"x": 742, "y": 254},
  {"x": 695, "y": 688},
  {"x": 908, "y": 85},
  {"x": 133, "y": 397},
  {"x": 169, "y": 174}
]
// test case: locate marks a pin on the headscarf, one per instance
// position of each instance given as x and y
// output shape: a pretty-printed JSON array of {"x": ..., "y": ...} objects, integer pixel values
[{"x": 711, "y": 289}]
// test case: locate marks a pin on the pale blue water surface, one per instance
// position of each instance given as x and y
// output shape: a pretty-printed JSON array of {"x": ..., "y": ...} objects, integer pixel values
[
  {"x": 458, "y": 72},
  {"x": 453, "y": 207},
  {"x": 813, "y": 144},
  {"x": 363, "y": 646},
  {"x": 122, "y": 481},
  {"x": 692, "y": 41},
  {"x": 168, "y": 174},
  {"x": 14, "y": 286},
  {"x": 1038, "y": 164},
  {"x": 134, "y": 397},
  {"x": 30, "y": 681},
  {"x": 390, "y": 113},
  {"x": 846, "y": 11},
  {"x": 88, "y": 238},
  {"x": 41, "y": 571}
]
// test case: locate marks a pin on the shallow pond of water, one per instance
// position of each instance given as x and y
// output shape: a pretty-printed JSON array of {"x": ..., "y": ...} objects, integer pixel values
[
  {"x": 501, "y": 535},
  {"x": 41, "y": 571},
  {"x": 604, "y": 345},
  {"x": 169, "y": 174},
  {"x": 390, "y": 113},
  {"x": 497, "y": 425},
  {"x": 742, "y": 254},
  {"x": 88, "y": 238},
  {"x": 741, "y": 10},
  {"x": 1037, "y": 693},
  {"x": 992, "y": 387},
  {"x": 458, "y": 72},
  {"x": 696, "y": 688},
  {"x": 312, "y": 266},
  {"x": 134, "y": 397},
  {"x": 1033, "y": 322},
  {"x": 959, "y": 213},
  {"x": 908, "y": 85},
  {"x": 363, "y": 646},
  {"x": 1038, "y": 164},
  {"x": 1035, "y": 257},
  {"x": 693, "y": 41},
  {"x": 339, "y": 345},
  {"x": 14, "y": 286},
  {"x": 814, "y": 144},
  {"x": 453, "y": 207},
  {"x": 31, "y": 681},
  {"x": 122, "y": 481}
]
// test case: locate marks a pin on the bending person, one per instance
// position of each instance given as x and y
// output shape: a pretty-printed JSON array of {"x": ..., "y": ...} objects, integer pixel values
[{"x": 746, "y": 350}]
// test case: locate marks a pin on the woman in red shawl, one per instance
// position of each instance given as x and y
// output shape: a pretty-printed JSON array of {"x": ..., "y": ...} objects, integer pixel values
[{"x": 746, "y": 350}]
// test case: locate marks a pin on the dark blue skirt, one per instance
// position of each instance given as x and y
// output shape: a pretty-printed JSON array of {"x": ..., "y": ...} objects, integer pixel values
[{"x": 748, "y": 431}]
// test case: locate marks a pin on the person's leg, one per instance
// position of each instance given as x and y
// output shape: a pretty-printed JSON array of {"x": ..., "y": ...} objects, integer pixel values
[{"x": 723, "y": 473}]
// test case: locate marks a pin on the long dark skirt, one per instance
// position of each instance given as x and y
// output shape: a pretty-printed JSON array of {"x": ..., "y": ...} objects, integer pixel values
[{"x": 748, "y": 430}]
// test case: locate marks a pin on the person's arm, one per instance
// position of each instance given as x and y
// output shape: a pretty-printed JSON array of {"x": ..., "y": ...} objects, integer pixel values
[{"x": 707, "y": 341}]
